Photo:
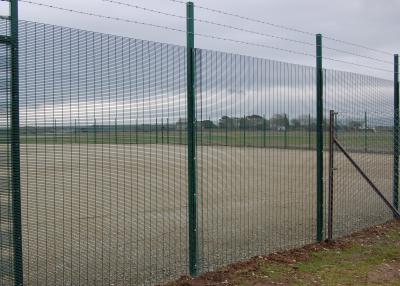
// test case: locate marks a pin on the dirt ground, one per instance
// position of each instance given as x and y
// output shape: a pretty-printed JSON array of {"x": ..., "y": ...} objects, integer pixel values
[
  {"x": 368, "y": 257},
  {"x": 117, "y": 214}
]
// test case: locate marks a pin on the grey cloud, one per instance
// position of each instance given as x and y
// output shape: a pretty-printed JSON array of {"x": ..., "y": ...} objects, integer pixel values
[{"x": 369, "y": 22}]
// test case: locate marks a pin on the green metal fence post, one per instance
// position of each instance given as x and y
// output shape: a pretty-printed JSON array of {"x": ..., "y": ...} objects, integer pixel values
[
  {"x": 15, "y": 147},
  {"x": 320, "y": 138},
  {"x": 191, "y": 129},
  {"x": 396, "y": 134}
]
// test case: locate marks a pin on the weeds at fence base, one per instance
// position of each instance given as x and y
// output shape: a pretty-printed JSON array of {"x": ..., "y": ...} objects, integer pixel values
[{"x": 367, "y": 257}]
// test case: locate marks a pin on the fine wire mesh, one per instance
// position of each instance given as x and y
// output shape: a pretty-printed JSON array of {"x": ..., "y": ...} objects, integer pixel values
[
  {"x": 103, "y": 166},
  {"x": 104, "y": 156},
  {"x": 364, "y": 127},
  {"x": 6, "y": 213},
  {"x": 256, "y": 158}
]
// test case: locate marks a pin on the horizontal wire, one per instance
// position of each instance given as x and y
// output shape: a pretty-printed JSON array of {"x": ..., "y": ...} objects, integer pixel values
[
  {"x": 357, "y": 45},
  {"x": 283, "y": 27},
  {"x": 355, "y": 64},
  {"x": 144, "y": 9},
  {"x": 200, "y": 35},
  {"x": 209, "y": 22},
  {"x": 101, "y": 16},
  {"x": 254, "y": 32},
  {"x": 357, "y": 55},
  {"x": 178, "y": 1},
  {"x": 254, "y": 44},
  {"x": 163, "y": 27},
  {"x": 244, "y": 30},
  {"x": 248, "y": 19}
]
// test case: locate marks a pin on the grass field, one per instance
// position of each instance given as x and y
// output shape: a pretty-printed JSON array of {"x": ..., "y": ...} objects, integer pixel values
[
  {"x": 102, "y": 214},
  {"x": 381, "y": 141}
]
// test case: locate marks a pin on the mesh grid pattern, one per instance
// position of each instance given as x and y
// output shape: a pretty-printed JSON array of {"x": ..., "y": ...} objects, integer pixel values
[
  {"x": 256, "y": 172},
  {"x": 364, "y": 127},
  {"x": 104, "y": 200},
  {"x": 104, "y": 171},
  {"x": 6, "y": 214}
]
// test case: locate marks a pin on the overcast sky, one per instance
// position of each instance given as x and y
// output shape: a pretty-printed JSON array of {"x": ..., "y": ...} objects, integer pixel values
[{"x": 368, "y": 22}]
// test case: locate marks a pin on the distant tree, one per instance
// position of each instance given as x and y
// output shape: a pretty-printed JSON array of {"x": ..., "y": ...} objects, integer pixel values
[
  {"x": 255, "y": 122},
  {"x": 207, "y": 124},
  {"x": 229, "y": 122},
  {"x": 224, "y": 122},
  {"x": 296, "y": 123}
]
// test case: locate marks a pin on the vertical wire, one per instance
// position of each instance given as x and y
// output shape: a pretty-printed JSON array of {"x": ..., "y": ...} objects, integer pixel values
[
  {"x": 79, "y": 164},
  {"x": 227, "y": 187},
  {"x": 45, "y": 154},
  {"x": 71, "y": 151},
  {"x": 144, "y": 161},
  {"x": 169, "y": 143},
  {"x": 137, "y": 163},
  {"x": 102, "y": 156},
  {"x": 28, "y": 258},
  {"x": 109, "y": 135},
  {"x": 181, "y": 157},
  {"x": 87, "y": 157},
  {"x": 131, "y": 163},
  {"x": 36, "y": 158},
  {"x": 124, "y": 164},
  {"x": 95, "y": 157},
  {"x": 174, "y": 162},
  {"x": 54, "y": 152},
  {"x": 233, "y": 154},
  {"x": 116, "y": 160},
  {"x": 162, "y": 146}
]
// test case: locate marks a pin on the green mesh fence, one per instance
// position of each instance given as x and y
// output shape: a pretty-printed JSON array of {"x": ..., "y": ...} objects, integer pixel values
[
  {"x": 364, "y": 127},
  {"x": 103, "y": 166},
  {"x": 104, "y": 157},
  {"x": 256, "y": 172},
  {"x": 6, "y": 214}
]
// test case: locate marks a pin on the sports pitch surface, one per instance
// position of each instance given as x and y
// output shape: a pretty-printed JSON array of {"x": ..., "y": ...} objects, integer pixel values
[{"x": 102, "y": 214}]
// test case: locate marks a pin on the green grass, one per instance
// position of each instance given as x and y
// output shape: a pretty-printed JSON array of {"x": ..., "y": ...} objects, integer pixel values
[
  {"x": 379, "y": 142},
  {"x": 337, "y": 266},
  {"x": 371, "y": 257},
  {"x": 273, "y": 271}
]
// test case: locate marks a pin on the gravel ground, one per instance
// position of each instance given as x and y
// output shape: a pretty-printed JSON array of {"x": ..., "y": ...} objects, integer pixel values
[{"x": 117, "y": 214}]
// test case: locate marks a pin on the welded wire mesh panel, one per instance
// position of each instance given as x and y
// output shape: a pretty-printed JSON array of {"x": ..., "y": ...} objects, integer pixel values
[
  {"x": 256, "y": 170},
  {"x": 103, "y": 161},
  {"x": 364, "y": 127},
  {"x": 6, "y": 214}
]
